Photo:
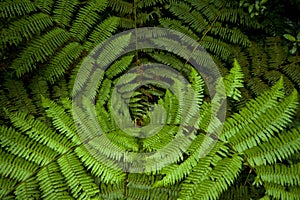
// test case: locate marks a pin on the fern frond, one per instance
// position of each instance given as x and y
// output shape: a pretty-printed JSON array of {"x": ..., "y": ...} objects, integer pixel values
[
  {"x": 119, "y": 66},
  {"x": 21, "y": 146},
  {"x": 86, "y": 18},
  {"x": 257, "y": 86},
  {"x": 120, "y": 6},
  {"x": 6, "y": 185},
  {"x": 293, "y": 71},
  {"x": 64, "y": 11},
  {"x": 28, "y": 189},
  {"x": 149, "y": 3},
  {"x": 193, "y": 18},
  {"x": 39, "y": 132},
  {"x": 281, "y": 192},
  {"x": 111, "y": 191},
  {"x": 161, "y": 139},
  {"x": 44, "y": 5},
  {"x": 16, "y": 8},
  {"x": 80, "y": 183},
  {"x": 18, "y": 97},
  {"x": 61, "y": 120},
  {"x": 213, "y": 181},
  {"x": 233, "y": 81},
  {"x": 252, "y": 110},
  {"x": 102, "y": 32},
  {"x": 39, "y": 87},
  {"x": 276, "y": 149},
  {"x": 60, "y": 90},
  {"x": 123, "y": 141},
  {"x": 39, "y": 50},
  {"x": 52, "y": 183},
  {"x": 222, "y": 49},
  {"x": 140, "y": 187},
  {"x": 237, "y": 193},
  {"x": 178, "y": 26},
  {"x": 62, "y": 61},
  {"x": 16, "y": 167},
  {"x": 237, "y": 15},
  {"x": 25, "y": 28},
  {"x": 106, "y": 174},
  {"x": 234, "y": 35},
  {"x": 264, "y": 127},
  {"x": 279, "y": 174}
]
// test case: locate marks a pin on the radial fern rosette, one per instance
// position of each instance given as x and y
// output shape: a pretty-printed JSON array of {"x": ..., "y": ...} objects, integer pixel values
[
  {"x": 189, "y": 100},
  {"x": 95, "y": 107}
]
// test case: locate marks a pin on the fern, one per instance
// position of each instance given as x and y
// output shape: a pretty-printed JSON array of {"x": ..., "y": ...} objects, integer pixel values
[
  {"x": 86, "y": 18},
  {"x": 50, "y": 147},
  {"x": 16, "y": 8},
  {"x": 39, "y": 50},
  {"x": 63, "y": 11},
  {"x": 25, "y": 28}
]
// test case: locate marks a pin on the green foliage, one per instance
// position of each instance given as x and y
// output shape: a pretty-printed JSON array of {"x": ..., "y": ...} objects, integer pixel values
[{"x": 46, "y": 154}]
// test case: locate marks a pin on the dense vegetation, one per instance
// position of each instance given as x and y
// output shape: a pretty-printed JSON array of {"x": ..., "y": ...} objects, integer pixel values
[{"x": 255, "y": 45}]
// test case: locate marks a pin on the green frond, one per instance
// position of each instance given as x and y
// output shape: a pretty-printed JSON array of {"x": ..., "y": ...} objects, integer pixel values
[
  {"x": 276, "y": 149},
  {"x": 219, "y": 48},
  {"x": 235, "y": 36},
  {"x": 86, "y": 18},
  {"x": 293, "y": 71},
  {"x": 252, "y": 110},
  {"x": 22, "y": 146},
  {"x": 257, "y": 86},
  {"x": 80, "y": 183},
  {"x": 236, "y": 193},
  {"x": 178, "y": 26},
  {"x": 279, "y": 174},
  {"x": 140, "y": 187},
  {"x": 126, "y": 23},
  {"x": 221, "y": 177},
  {"x": 26, "y": 28},
  {"x": 39, "y": 87},
  {"x": 60, "y": 90},
  {"x": 171, "y": 106},
  {"x": 263, "y": 128},
  {"x": 15, "y": 167},
  {"x": 62, "y": 61},
  {"x": 64, "y": 11},
  {"x": 214, "y": 181},
  {"x": 111, "y": 191},
  {"x": 104, "y": 117},
  {"x": 191, "y": 17},
  {"x": 18, "y": 97},
  {"x": 120, "y": 6},
  {"x": 233, "y": 81},
  {"x": 28, "y": 189},
  {"x": 281, "y": 192},
  {"x": 16, "y": 8},
  {"x": 39, "y": 131},
  {"x": 160, "y": 139},
  {"x": 44, "y": 5},
  {"x": 109, "y": 53},
  {"x": 149, "y": 3},
  {"x": 52, "y": 183},
  {"x": 119, "y": 66},
  {"x": 106, "y": 174},
  {"x": 6, "y": 185},
  {"x": 125, "y": 142},
  {"x": 175, "y": 173},
  {"x": 237, "y": 15},
  {"x": 102, "y": 32},
  {"x": 39, "y": 50},
  {"x": 61, "y": 120}
]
